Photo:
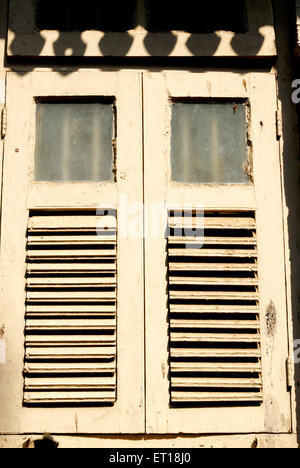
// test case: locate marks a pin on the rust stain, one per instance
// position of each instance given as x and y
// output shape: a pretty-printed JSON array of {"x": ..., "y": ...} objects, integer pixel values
[
  {"x": 245, "y": 84},
  {"x": 2, "y": 330},
  {"x": 163, "y": 369},
  {"x": 76, "y": 421}
]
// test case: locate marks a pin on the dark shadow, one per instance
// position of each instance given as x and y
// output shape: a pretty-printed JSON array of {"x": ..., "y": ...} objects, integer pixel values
[
  {"x": 70, "y": 45},
  {"x": 288, "y": 70},
  {"x": 160, "y": 44},
  {"x": 198, "y": 47},
  {"x": 200, "y": 19},
  {"x": 116, "y": 45},
  {"x": 37, "y": 45},
  {"x": 243, "y": 47},
  {"x": 47, "y": 442}
]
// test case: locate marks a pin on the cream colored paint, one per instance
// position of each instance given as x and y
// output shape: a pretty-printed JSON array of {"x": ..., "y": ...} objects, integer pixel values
[
  {"x": 174, "y": 441},
  {"x": 127, "y": 415},
  {"x": 260, "y": 89},
  {"x": 87, "y": 199}
]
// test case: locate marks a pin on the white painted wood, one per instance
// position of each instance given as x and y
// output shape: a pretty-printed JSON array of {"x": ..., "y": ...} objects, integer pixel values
[
  {"x": 263, "y": 196},
  {"x": 20, "y": 194}
]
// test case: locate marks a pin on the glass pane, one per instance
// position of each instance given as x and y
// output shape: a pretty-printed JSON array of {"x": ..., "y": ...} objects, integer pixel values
[
  {"x": 74, "y": 142},
  {"x": 208, "y": 142}
]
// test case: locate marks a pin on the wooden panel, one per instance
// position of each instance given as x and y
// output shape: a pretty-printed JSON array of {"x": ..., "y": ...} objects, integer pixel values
[
  {"x": 63, "y": 332},
  {"x": 209, "y": 357}
]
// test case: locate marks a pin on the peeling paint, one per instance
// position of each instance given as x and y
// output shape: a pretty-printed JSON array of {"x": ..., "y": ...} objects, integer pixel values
[
  {"x": 271, "y": 319},
  {"x": 28, "y": 444},
  {"x": 254, "y": 444}
]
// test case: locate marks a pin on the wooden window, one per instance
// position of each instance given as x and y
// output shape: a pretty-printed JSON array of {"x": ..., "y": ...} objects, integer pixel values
[
  {"x": 82, "y": 357},
  {"x": 113, "y": 331},
  {"x": 218, "y": 364}
]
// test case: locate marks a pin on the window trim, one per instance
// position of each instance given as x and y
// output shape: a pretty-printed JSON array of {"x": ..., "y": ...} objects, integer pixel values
[{"x": 264, "y": 196}]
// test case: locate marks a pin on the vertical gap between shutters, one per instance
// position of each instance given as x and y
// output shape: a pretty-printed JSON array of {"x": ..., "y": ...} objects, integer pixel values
[
  {"x": 214, "y": 327},
  {"x": 71, "y": 308}
]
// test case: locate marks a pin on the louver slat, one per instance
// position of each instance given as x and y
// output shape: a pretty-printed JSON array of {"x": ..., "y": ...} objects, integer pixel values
[
  {"x": 214, "y": 339},
  {"x": 70, "y": 335}
]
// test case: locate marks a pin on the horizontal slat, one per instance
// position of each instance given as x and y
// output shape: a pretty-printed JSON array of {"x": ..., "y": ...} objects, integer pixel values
[
  {"x": 198, "y": 281},
  {"x": 216, "y": 382},
  {"x": 210, "y": 352},
  {"x": 70, "y": 325},
  {"x": 193, "y": 266},
  {"x": 48, "y": 352},
  {"x": 214, "y": 337},
  {"x": 69, "y": 295},
  {"x": 190, "y": 397},
  {"x": 213, "y": 309},
  {"x": 214, "y": 295},
  {"x": 74, "y": 267},
  {"x": 215, "y": 367},
  {"x": 238, "y": 324},
  {"x": 49, "y": 223},
  {"x": 70, "y": 239},
  {"x": 69, "y": 397},
  {"x": 70, "y": 383},
  {"x": 70, "y": 340},
  {"x": 70, "y": 368},
  {"x": 212, "y": 240},
  {"x": 211, "y": 223},
  {"x": 71, "y": 310},
  {"x": 71, "y": 282},
  {"x": 73, "y": 254},
  {"x": 203, "y": 252}
]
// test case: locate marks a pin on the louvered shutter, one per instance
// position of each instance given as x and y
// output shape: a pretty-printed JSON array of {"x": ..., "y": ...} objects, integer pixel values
[
  {"x": 215, "y": 355},
  {"x": 214, "y": 339},
  {"x": 68, "y": 269},
  {"x": 71, "y": 305}
]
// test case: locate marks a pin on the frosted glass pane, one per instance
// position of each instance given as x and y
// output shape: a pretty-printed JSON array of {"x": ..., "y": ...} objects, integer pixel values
[
  {"x": 74, "y": 142},
  {"x": 208, "y": 142}
]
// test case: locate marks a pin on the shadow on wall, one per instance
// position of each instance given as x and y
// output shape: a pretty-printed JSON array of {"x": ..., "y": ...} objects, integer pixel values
[
  {"x": 285, "y": 21},
  {"x": 160, "y": 19}
]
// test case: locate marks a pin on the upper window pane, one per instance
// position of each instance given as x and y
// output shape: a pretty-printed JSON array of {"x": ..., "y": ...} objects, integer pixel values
[
  {"x": 74, "y": 142},
  {"x": 78, "y": 15},
  {"x": 197, "y": 17},
  {"x": 208, "y": 142}
]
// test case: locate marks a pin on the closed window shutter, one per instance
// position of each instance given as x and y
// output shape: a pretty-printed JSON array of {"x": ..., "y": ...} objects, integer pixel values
[
  {"x": 70, "y": 336},
  {"x": 214, "y": 340}
]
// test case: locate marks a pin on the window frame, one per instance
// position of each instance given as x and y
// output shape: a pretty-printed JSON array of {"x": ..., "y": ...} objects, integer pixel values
[
  {"x": 21, "y": 194},
  {"x": 263, "y": 196}
]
